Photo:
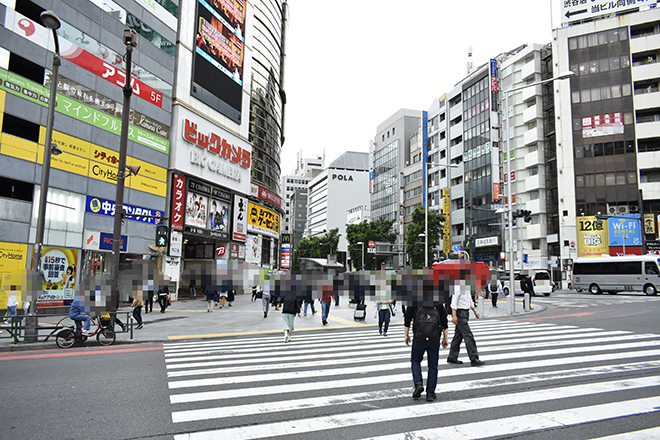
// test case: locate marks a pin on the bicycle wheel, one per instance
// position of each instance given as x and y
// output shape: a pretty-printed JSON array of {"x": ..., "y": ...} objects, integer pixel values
[
  {"x": 65, "y": 338},
  {"x": 106, "y": 336}
]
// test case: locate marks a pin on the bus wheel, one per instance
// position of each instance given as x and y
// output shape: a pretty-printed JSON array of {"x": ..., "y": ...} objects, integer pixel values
[
  {"x": 594, "y": 289},
  {"x": 650, "y": 289}
]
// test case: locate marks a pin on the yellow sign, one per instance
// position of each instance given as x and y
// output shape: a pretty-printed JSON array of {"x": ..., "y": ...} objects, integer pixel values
[
  {"x": 263, "y": 220},
  {"x": 649, "y": 224},
  {"x": 58, "y": 266},
  {"x": 592, "y": 238},
  {"x": 446, "y": 242},
  {"x": 13, "y": 257}
]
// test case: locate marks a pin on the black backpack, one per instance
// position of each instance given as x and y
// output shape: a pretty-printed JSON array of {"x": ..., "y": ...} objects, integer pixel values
[{"x": 427, "y": 324}]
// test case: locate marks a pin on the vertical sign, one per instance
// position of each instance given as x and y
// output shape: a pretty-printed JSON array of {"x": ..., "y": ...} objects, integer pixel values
[
  {"x": 649, "y": 224},
  {"x": 240, "y": 219},
  {"x": 178, "y": 202},
  {"x": 425, "y": 152},
  {"x": 445, "y": 228},
  {"x": 493, "y": 85}
]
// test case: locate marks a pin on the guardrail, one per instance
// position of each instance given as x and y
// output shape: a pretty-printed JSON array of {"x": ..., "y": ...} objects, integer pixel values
[{"x": 20, "y": 328}]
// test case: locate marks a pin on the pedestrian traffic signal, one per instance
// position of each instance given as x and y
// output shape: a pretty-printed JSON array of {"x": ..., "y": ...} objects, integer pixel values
[{"x": 161, "y": 236}]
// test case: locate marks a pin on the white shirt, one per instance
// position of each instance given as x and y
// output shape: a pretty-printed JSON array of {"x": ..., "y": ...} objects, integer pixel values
[
  {"x": 461, "y": 298},
  {"x": 499, "y": 287}
]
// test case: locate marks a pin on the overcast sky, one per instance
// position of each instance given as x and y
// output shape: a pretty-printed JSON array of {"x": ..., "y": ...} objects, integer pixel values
[{"x": 352, "y": 64}]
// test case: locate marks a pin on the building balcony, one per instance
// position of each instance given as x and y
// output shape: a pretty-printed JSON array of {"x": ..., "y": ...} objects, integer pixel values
[
  {"x": 647, "y": 129},
  {"x": 535, "y": 231},
  {"x": 455, "y": 130},
  {"x": 531, "y": 205},
  {"x": 533, "y": 136},
  {"x": 645, "y": 71},
  {"x": 647, "y": 100},
  {"x": 533, "y": 158},
  {"x": 651, "y": 190},
  {"x": 531, "y": 92},
  {"x": 532, "y": 182},
  {"x": 532, "y": 113},
  {"x": 642, "y": 44},
  {"x": 530, "y": 69},
  {"x": 648, "y": 160}
]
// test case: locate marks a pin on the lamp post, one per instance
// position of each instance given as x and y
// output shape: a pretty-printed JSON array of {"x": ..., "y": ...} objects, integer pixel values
[
  {"x": 512, "y": 288},
  {"x": 130, "y": 40},
  {"x": 361, "y": 243},
  {"x": 426, "y": 208},
  {"x": 52, "y": 22}
]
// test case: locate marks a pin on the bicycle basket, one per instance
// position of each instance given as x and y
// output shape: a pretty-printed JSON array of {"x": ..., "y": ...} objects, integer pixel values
[{"x": 106, "y": 320}]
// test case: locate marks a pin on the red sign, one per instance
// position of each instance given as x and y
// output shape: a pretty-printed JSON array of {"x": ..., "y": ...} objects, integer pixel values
[
  {"x": 220, "y": 250},
  {"x": 618, "y": 251},
  {"x": 178, "y": 202},
  {"x": 372, "y": 244},
  {"x": 493, "y": 84},
  {"x": 270, "y": 196},
  {"x": 496, "y": 191},
  {"x": 216, "y": 144},
  {"x": 109, "y": 72}
]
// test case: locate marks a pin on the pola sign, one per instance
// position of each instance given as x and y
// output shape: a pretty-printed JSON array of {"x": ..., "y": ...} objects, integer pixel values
[{"x": 343, "y": 177}]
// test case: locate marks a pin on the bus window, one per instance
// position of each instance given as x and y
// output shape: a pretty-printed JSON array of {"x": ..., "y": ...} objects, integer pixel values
[{"x": 651, "y": 268}]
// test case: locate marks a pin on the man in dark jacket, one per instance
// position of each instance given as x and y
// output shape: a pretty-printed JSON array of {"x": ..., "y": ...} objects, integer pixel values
[
  {"x": 429, "y": 311},
  {"x": 527, "y": 286}
]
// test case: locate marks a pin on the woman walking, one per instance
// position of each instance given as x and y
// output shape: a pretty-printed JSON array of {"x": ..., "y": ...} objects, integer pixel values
[
  {"x": 290, "y": 309},
  {"x": 137, "y": 311}
]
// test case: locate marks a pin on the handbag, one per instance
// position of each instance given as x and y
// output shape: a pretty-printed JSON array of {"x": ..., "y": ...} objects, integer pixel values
[{"x": 169, "y": 301}]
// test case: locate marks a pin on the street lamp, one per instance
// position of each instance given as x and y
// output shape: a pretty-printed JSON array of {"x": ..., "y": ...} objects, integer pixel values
[
  {"x": 130, "y": 40},
  {"x": 361, "y": 243},
  {"x": 51, "y": 21},
  {"x": 512, "y": 289},
  {"x": 426, "y": 207}
]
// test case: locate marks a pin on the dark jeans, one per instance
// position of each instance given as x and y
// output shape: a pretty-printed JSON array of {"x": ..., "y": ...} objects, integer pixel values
[
  {"x": 433, "y": 352},
  {"x": 384, "y": 318},
  {"x": 463, "y": 332},
  {"x": 494, "y": 298},
  {"x": 137, "y": 314},
  {"x": 162, "y": 300},
  {"x": 149, "y": 304}
]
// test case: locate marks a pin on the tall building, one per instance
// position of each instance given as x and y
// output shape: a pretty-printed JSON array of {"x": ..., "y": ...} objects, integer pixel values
[
  {"x": 267, "y": 95},
  {"x": 87, "y": 125},
  {"x": 342, "y": 186},
  {"x": 608, "y": 130},
  {"x": 306, "y": 170}
]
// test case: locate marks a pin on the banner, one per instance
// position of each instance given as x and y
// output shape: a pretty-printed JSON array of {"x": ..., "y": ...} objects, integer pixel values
[
  {"x": 13, "y": 257},
  {"x": 592, "y": 238},
  {"x": 58, "y": 266},
  {"x": 263, "y": 220},
  {"x": 99, "y": 205},
  {"x": 253, "y": 249}
]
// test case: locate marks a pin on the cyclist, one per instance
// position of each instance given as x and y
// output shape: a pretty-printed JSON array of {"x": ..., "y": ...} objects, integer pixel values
[{"x": 76, "y": 312}]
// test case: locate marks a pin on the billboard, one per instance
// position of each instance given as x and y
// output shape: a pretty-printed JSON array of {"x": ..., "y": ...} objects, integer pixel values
[
  {"x": 592, "y": 237},
  {"x": 263, "y": 220},
  {"x": 218, "y": 58},
  {"x": 602, "y": 125}
]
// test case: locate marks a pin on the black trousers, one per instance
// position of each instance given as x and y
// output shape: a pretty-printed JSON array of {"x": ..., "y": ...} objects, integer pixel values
[{"x": 463, "y": 332}]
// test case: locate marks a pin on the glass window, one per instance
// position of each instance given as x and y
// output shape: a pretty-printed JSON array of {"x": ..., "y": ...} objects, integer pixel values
[
  {"x": 621, "y": 178},
  {"x": 593, "y": 66},
  {"x": 618, "y": 148},
  {"x": 632, "y": 177},
  {"x": 579, "y": 181},
  {"x": 572, "y": 43},
  {"x": 602, "y": 38},
  {"x": 610, "y": 179},
  {"x": 598, "y": 150},
  {"x": 595, "y": 94},
  {"x": 627, "y": 118},
  {"x": 584, "y": 68},
  {"x": 626, "y": 89},
  {"x": 582, "y": 42},
  {"x": 625, "y": 61},
  {"x": 579, "y": 151},
  {"x": 585, "y": 95},
  {"x": 605, "y": 92},
  {"x": 616, "y": 91},
  {"x": 615, "y": 64},
  {"x": 592, "y": 39},
  {"x": 609, "y": 148},
  {"x": 589, "y": 180},
  {"x": 604, "y": 65},
  {"x": 588, "y": 150},
  {"x": 613, "y": 35},
  {"x": 600, "y": 179}
]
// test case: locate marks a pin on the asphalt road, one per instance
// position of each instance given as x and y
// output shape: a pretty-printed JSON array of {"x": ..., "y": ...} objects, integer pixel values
[{"x": 549, "y": 375}]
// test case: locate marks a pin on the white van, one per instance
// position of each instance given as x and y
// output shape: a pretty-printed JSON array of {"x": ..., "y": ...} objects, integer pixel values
[{"x": 541, "y": 279}]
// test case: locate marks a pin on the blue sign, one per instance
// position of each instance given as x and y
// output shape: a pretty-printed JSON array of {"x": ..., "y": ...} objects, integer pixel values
[
  {"x": 625, "y": 228},
  {"x": 98, "y": 205},
  {"x": 425, "y": 152},
  {"x": 457, "y": 248},
  {"x": 105, "y": 244},
  {"x": 493, "y": 67}
]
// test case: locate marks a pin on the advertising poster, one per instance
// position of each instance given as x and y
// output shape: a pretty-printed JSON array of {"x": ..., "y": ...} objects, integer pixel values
[
  {"x": 13, "y": 257},
  {"x": 625, "y": 229},
  {"x": 219, "y": 216},
  {"x": 263, "y": 220},
  {"x": 58, "y": 266},
  {"x": 253, "y": 249},
  {"x": 602, "y": 125},
  {"x": 592, "y": 238},
  {"x": 196, "y": 208}
]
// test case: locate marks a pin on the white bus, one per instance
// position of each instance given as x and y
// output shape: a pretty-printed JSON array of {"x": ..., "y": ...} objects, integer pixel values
[{"x": 616, "y": 274}]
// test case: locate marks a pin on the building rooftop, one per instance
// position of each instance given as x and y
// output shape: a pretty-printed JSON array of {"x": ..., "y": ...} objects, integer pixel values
[{"x": 351, "y": 160}]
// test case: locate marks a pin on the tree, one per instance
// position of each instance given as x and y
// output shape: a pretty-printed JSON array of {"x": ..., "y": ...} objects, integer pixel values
[
  {"x": 316, "y": 247},
  {"x": 415, "y": 243},
  {"x": 379, "y": 231}
]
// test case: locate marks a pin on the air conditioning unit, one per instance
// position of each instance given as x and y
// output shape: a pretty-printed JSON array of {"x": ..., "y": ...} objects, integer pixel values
[
  {"x": 611, "y": 210},
  {"x": 623, "y": 209},
  {"x": 634, "y": 209}
]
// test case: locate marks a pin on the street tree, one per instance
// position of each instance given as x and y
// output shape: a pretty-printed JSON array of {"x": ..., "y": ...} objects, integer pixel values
[
  {"x": 378, "y": 231},
  {"x": 415, "y": 243},
  {"x": 316, "y": 247}
]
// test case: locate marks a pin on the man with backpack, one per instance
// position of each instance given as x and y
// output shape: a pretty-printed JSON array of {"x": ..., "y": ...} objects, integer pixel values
[
  {"x": 429, "y": 321},
  {"x": 495, "y": 288}
]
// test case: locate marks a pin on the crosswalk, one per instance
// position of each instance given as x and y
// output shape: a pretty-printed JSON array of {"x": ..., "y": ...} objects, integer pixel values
[{"x": 354, "y": 384}]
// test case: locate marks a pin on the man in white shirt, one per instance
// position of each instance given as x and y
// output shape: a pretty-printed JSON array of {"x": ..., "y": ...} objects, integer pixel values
[
  {"x": 461, "y": 303},
  {"x": 494, "y": 293}
]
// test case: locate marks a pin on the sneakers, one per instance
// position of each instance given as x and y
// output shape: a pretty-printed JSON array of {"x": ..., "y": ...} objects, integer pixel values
[
  {"x": 87, "y": 332},
  {"x": 430, "y": 397},
  {"x": 477, "y": 363},
  {"x": 417, "y": 391},
  {"x": 140, "y": 326},
  {"x": 287, "y": 338},
  {"x": 385, "y": 334}
]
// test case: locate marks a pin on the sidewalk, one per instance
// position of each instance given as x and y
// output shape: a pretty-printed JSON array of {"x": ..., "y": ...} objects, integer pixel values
[{"x": 188, "y": 319}]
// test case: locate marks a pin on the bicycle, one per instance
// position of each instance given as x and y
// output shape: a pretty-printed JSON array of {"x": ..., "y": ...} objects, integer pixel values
[{"x": 69, "y": 336}]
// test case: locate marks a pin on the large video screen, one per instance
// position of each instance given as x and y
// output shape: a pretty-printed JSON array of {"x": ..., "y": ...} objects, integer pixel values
[{"x": 218, "y": 59}]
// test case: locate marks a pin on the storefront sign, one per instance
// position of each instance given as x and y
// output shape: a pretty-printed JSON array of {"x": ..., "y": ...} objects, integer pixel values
[
  {"x": 58, "y": 266},
  {"x": 264, "y": 194},
  {"x": 176, "y": 242},
  {"x": 178, "y": 202},
  {"x": 240, "y": 219},
  {"x": 484, "y": 242},
  {"x": 234, "y": 250},
  {"x": 624, "y": 230},
  {"x": 216, "y": 144},
  {"x": 98, "y": 205},
  {"x": 263, "y": 220},
  {"x": 95, "y": 240}
]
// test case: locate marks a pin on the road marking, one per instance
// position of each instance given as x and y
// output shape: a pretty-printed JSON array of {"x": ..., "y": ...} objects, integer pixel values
[{"x": 74, "y": 352}]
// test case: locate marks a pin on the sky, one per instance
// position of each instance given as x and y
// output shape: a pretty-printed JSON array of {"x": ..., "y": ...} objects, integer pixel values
[{"x": 351, "y": 65}]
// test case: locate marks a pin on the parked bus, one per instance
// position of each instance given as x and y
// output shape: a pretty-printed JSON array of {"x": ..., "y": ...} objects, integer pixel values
[{"x": 616, "y": 274}]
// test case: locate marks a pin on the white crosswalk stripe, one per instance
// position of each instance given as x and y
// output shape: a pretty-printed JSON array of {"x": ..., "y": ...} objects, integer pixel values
[{"x": 357, "y": 384}]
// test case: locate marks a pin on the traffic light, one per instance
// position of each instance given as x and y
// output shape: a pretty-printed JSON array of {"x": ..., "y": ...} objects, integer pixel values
[
  {"x": 518, "y": 213},
  {"x": 161, "y": 235},
  {"x": 524, "y": 214},
  {"x": 528, "y": 216}
]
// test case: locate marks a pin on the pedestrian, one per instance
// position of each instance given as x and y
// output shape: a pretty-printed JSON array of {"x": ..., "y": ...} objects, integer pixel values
[
  {"x": 210, "y": 295},
  {"x": 265, "y": 300},
  {"x": 149, "y": 301},
  {"x": 384, "y": 311},
  {"x": 137, "y": 310},
  {"x": 12, "y": 303},
  {"x": 222, "y": 295},
  {"x": 461, "y": 303},
  {"x": 327, "y": 296},
  {"x": 77, "y": 313},
  {"x": 527, "y": 286},
  {"x": 495, "y": 288},
  {"x": 309, "y": 300},
  {"x": 290, "y": 309},
  {"x": 193, "y": 289},
  {"x": 163, "y": 299},
  {"x": 231, "y": 295},
  {"x": 429, "y": 320}
]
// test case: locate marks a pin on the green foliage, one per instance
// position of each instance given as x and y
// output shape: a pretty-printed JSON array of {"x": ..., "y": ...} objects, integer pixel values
[
  {"x": 380, "y": 230},
  {"x": 415, "y": 243},
  {"x": 316, "y": 247}
]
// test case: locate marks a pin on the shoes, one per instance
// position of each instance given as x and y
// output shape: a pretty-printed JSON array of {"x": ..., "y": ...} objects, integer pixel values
[
  {"x": 417, "y": 391},
  {"x": 380, "y": 331},
  {"x": 495, "y": 307},
  {"x": 430, "y": 397},
  {"x": 230, "y": 305},
  {"x": 123, "y": 327},
  {"x": 140, "y": 326},
  {"x": 305, "y": 314},
  {"x": 325, "y": 322},
  {"x": 87, "y": 333},
  {"x": 287, "y": 338},
  {"x": 477, "y": 363},
  {"x": 385, "y": 334},
  {"x": 265, "y": 314},
  {"x": 454, "y": 361}
]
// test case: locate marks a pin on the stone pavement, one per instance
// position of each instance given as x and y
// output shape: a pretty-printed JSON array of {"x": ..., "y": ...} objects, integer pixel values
[{"x": 189, "y": 320}]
